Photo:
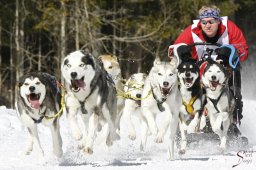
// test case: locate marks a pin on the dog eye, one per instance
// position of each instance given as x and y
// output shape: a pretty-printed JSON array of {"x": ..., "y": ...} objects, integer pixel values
[
  {"x": 81, "y": 65},
  {"x": 110, "y": 67},
  {"x": 37, "y": 83},
  {"x": 171, "y": 74},
  {"x": 26, "y": 84},
  {"x": 68, "y": 65},
  {"x": 160, "y": 74}
]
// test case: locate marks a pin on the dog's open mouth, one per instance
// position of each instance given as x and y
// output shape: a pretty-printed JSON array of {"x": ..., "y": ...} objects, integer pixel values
[
  {"x": 138, "y": 103},
  {"x": 214, "y": 84},
  {"x": 188, "y": 81},
  {"x": 77, "y": 84},
  {"x": 165, "y": 91},
  {"x": 33, "y": 99}
]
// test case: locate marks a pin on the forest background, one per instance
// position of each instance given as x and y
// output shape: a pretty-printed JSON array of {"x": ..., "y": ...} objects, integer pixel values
[{"x": 35, "y": 35}]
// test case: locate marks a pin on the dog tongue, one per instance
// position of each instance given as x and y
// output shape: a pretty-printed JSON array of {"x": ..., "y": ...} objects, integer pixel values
[
  {"x": 78, "y": 83},
  {"x": 35, "y": 104}
]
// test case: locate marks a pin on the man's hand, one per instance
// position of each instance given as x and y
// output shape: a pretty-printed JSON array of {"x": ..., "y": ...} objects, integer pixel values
[{"x": 184, "y": 52}]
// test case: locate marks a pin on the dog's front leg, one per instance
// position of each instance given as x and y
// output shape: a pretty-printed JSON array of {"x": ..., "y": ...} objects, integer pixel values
[
  {"x": 164, "y": 124},
  {"x": 33, "y": 139},
  {"x": 192, "y": 125},
  {"x": 144, "y": 133},
  {"x": 150, "y": 120},
  {"x": 183, "y": 140},
  {"x": 173, "y": 129},
  {"x": 72, "y": 106},
  {"x": 128, "y": 121},
  {"x": 93, "y": 125},
  {"x": 56, "y": 138}
]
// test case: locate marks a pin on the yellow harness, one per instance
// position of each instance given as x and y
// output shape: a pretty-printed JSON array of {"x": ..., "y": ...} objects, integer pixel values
[{"x": 189, "y": 107}]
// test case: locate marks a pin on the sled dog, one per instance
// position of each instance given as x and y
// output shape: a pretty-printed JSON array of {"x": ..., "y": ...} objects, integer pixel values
[
  {"x": 133, "y": 90},
  {"x": 112, "y": 66},
  {"x": 91, "y": 94},
  {"x": 38, "y": 102},
  {"x": 191, "y": 92},
  {"x": 162, "y": 82},
  {"x": 220, "y": 102}
]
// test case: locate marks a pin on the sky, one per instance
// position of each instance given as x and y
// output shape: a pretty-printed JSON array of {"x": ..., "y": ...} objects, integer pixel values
[{"x": 124, "y": 154}]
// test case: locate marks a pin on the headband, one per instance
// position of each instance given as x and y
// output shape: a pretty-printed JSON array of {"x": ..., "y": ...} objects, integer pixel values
[{"x": 210, "y": 13}]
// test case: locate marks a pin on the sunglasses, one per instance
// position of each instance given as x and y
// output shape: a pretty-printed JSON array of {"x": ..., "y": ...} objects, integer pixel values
[{"x": 212, "y": 21}]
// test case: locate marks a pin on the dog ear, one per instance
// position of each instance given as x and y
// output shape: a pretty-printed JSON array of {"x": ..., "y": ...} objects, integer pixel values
[{"x": 157, "y": 61}]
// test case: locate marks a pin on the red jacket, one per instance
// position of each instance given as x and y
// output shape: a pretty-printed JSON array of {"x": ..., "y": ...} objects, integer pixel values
[{"x": 235, "y": 37}]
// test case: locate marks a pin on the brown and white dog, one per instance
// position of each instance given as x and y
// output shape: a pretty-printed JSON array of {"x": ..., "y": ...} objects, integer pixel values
[{"x": 111, "y": 65}]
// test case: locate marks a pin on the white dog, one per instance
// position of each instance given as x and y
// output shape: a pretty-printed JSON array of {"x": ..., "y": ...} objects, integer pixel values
[
  {"x": 162, "y": 81},
  {"x": 91, "y": 92},
  {"x": 220, "y": 102},
  {"x": 133, "y": 90}
]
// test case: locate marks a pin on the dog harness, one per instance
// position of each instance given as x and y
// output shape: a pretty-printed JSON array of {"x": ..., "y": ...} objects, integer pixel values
[
  {"x": 215, "y": 101},
  {"x": 189, "y": 106},
  {"x": 160, "y": 103}
]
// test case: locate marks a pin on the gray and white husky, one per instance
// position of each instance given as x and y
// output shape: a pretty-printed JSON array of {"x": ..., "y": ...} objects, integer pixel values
[
  {"x": 91, "y": 93},
  {"x": 162, "y": 82},
  {"x": 37, "y": 102},
  {"x": 220, "y": 102}
]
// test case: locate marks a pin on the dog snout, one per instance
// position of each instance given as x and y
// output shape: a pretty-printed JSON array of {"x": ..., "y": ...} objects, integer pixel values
[
  {"x": 73, "y": 75},
  {"x": 32, "y": 88},
  {"x": 214, "y": 78},
  {"x": 187, "y": 74},
  {"x": 138, "y": 95},
  {"x": 166, "y": 84}
]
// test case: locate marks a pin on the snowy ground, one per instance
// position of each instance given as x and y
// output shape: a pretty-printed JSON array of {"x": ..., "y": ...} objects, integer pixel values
[{"x": 124, "y": 154}]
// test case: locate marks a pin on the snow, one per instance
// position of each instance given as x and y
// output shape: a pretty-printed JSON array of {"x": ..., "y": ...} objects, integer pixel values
[{"x": 124, "y": 154}]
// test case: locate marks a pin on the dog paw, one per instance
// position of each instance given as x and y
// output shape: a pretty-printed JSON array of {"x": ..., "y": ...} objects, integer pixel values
[
  {"x": 191, "y": 129},
  {"x": 88, "y": 150},
  {"x": 132, "y": 136},
  {"x": 159, "y": 138},
  {"x": 142, "y": 148},
  {"x": 77, "y": 136},
  {"x": 109, "y": 143},
  {"x": 182, "y": 152}
]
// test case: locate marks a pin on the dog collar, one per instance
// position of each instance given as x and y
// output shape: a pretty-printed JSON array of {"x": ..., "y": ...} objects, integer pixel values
[{"x": 189, "y": 106}]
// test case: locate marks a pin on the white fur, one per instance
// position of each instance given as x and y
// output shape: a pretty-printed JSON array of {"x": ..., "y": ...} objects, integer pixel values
[
  {"x": 160, "y": 74},
  {"x": 133, "y": 87}
]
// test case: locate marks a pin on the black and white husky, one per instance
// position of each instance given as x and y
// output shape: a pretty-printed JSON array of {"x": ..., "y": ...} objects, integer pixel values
[
  {"x": 162, "y": 82},
  {"x": 37, "y": 102},
  {"x": 91, "y": 93},
  {"x": 191, "y": 92},
  {"x": 133, "y": 91},
  {"x": 220, "y": 102}
]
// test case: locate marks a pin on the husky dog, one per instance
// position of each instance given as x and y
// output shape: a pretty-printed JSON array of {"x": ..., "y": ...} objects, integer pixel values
[
  {"x": 112, "y": 66},
  {"x": 37, "y": 102},
  {"x": 162, "y": 82},
  {"x": 191, "y": 92},
  {"x": 91, "y": 92},
  {"x": 133, "y": 90},
  {"x": 220, "y": 102}
]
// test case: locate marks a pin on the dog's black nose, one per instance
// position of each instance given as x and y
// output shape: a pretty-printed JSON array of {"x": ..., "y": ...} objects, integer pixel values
[
  {"x": 166, "y": 84},
  {"x": 187, "y": 74},
  {"x": 32, "y": 88},
  {"x": 138, "y": 95},
  {"x": 73, "y": 75},
  {"x": 213, "y": 78}
]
